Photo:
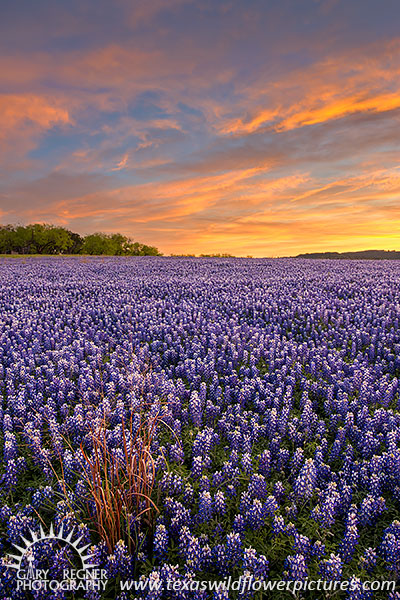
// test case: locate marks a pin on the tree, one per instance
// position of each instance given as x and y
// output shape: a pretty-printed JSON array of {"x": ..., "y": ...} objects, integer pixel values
[
  {"x": 114, "y": 244},
  {"x": 118, "y": 244},
  {"x": 95, "y": 243},
  {"x": 22, "y": 240},
  {"x": 138, "y": 249},
  {"x": 77, "y": 242},
  {"x": 48, "y": 239},
  {"x": 7, "y": 233},
  {"x": 42, "y": 238}
]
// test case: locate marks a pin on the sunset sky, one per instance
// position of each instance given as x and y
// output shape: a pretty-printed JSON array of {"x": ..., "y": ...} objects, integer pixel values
[{"x": 263, "y": 127}]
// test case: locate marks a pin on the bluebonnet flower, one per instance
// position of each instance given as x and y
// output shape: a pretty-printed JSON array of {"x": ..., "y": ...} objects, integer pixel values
[
  {"x": 291, "y": 511},
  {"x": 42, "y": 497},
  {"x": 70, "y": 357},
  {"x": 356, "y": 590},
  {"x": 161, "y": 541},
  {"x": 13, "y": 468},
  {"x": 178, "y": 514},
  {"x": 221, "y": 594},
  {"x": 239, "y": 524},
  {"x": 230, "y": 471},
  {"x": 197, "y": 467},
  {"x": 338, "y": 443},
  {"x": 218, "y": 478},
  {"x": 368, "y": 560},
  {"x": 305, "y": 482},
  {"x": 233, "y": 547},
  {"x": 270, "y": 506},
  {"x": 255, "y": 515},
  {"x": 282, "y": 459},
  {"x": 247, "y": 464},
  {"x": 295, "y": 568},
  {"x": 10, "y": 449},
  {"x": 204, "y": 484},
  {"x": 318, "y": 549},
  {"x": 265, "y": 463},
  {"x": 190, "y": 549},
  {"x": 219, "y": 503},
  {"x": 176, "y": 453},
  {"x": 291, "y": 529},
  {"x": 278, "y": 525},
  {"x": 5, "y": 513},
  {"x": 206, "y": 506},
  {"x": 246, "y": 502},
  {"x": 375, "y": 485},
  {"x": 196, "y": 404},
  {"x": 188, "y": 494},
  {"x": 120, "y": 562},
  {"x": 19, "y": 526},
  {"x": 370, "y": 508},
  {"x": 331, "y": 568},
  {"x": 346, "y": 496},
  {"x": 257, "y": 564},
  {"x": 369, "y": 444},
  {"x": 279, "y": 490},
  {"x": 301, "y": 544},
  {"x": 258, "y": 486},
  {"x": 155, "y": 586},
  {"x": 326, "y": 512},
  {"x": 99, "y": 553},
  {"x": 389, "y": 548},
  {"x": 220, "y": 559},
  {"x": 350, "y": 539},
  {"x": 230, "y": 491}
]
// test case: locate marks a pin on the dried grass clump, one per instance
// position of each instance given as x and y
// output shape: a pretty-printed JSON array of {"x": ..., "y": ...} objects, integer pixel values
[{"x": 120, "y": 486}]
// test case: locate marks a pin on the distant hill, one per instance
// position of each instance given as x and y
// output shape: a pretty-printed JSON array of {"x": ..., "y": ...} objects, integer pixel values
[{"x": 361, "y": 254}]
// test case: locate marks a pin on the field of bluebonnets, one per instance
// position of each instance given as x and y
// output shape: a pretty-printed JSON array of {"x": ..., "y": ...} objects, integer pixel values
[{"x": 261, "y": 397}]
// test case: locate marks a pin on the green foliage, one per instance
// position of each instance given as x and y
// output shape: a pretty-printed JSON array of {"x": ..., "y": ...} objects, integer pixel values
[
  {"x": 137, "y": 249},
  {"x": 116, "y": 245},
  {"x": 36, "y": 239},
  {"x": 50, "y": 239}
]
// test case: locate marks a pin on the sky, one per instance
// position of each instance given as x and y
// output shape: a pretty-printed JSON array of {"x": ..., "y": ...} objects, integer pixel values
[{"x": 252, "y": 127}]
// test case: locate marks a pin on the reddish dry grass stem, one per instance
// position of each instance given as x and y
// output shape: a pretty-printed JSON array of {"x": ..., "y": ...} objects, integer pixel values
[{"x": 120, "y": 487}]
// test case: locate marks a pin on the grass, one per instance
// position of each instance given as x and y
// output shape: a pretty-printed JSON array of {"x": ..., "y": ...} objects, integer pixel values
[
  {"x": 121, "y": 489},
  {"x": 118, "y": 485}
]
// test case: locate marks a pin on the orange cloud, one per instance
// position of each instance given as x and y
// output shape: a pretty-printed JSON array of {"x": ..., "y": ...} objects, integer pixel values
[
  {"x": 341, "y": 108},
  {"x": 243, "y": 126},
  {"x": 330, "y": 89},
  {"x": 23, "y": 119},
  {"x": 17, "y": 110}
]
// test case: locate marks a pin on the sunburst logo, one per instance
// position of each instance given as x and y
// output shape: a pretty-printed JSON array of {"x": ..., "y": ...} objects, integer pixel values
[
  {"x": 25, "y": 551},
  {"x": 29, "y": 578}
]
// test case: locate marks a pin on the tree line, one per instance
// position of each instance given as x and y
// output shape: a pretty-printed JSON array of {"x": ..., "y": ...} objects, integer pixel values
[
  {"x": 357, "y": 255},
  {"x": 43, "y": 238}
]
